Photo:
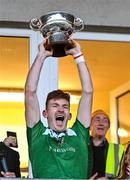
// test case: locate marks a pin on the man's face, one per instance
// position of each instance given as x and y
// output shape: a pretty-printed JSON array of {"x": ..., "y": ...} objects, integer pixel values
[
  {"x": 100, "y": 125},
  {"x": 57, "y": 114}
]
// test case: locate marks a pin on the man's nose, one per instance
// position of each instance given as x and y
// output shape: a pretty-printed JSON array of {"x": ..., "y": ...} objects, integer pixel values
[
  {"x": 101, "y": 121},
  {"x": 60, "y": 109}
]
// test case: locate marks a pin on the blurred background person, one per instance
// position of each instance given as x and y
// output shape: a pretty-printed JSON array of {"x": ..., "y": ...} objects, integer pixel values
[
  {"x": 9, "y": 158},
  {"x": 125, "y": 165},
  {"x": 105, "y": 157}
]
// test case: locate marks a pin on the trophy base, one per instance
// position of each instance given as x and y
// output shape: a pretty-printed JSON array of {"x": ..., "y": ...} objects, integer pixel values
[
  {"x": 59, "y": 41},
  {"x": 59, "y": 50}
]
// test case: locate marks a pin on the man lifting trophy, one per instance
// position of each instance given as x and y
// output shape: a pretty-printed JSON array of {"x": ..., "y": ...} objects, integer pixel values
[{"x": 58, "y": 26}]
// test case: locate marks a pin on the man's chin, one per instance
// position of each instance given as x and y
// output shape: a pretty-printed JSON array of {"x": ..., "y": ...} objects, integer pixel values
[
  {"x": 100, "y": 135},
  {"x": 60, "y": 129}
]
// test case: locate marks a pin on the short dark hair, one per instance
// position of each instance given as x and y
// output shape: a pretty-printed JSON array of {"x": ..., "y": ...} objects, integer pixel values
[{"x": 57, "y": 94}]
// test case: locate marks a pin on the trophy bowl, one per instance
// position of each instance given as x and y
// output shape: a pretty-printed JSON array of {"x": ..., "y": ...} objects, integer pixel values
[{"x": 58, "y": 26}]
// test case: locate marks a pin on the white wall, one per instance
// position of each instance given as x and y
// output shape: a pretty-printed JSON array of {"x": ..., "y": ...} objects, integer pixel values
[{"x": 93, "y": 12}]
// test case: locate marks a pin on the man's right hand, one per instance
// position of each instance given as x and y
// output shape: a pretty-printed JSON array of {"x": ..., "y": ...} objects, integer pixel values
[{"x": 43, "y": 50}]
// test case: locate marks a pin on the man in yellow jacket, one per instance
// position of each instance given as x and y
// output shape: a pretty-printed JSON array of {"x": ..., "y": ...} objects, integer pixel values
[{"x": 105, "y": 157}]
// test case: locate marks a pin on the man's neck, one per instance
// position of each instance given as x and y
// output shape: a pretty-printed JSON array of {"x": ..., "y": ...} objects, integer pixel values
[
  {"x": 98, "y": 140},
  {"x": 58, "y": 132}
]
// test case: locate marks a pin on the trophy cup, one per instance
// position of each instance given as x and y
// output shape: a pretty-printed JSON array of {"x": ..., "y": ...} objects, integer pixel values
[{"x": 58, "y": 26}]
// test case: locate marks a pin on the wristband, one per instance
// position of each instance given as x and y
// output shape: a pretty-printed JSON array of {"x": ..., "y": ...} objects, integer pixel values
[
  {"x": 79, "y": 58},
  {"x": 75, "y": 57},
  {"x": 78, "y": 54}
]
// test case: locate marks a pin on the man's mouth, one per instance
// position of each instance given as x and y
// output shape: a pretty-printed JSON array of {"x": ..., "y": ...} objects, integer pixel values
[
  {"x": 60, "y": 118},
  {"x": 100, "y": 128}
]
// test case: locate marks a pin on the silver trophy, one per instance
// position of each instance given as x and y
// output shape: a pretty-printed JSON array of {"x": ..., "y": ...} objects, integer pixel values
[{"x": 58, "y": 26}]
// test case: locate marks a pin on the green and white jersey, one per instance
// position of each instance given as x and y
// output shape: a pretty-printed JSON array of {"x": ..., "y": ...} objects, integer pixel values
[{"x": 51, "y": 159}]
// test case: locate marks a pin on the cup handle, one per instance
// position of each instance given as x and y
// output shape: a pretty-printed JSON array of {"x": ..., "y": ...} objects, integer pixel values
[
  {"x": 35, "y": 24},
  {"x": 78, "y": 24}
]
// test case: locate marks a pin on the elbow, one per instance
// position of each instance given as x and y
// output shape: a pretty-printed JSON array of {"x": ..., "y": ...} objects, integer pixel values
[
  {"x": 29, "y": 89},
  {"x": 88, "y": 90},
  {"x": 89, "y": 93},
  {"x": 29, "y": 97},
  {"x": 29, "y": 92}
]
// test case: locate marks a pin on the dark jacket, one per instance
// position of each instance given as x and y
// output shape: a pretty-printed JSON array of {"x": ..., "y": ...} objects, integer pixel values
[
  {"x": 104, "y": 146},
  {"x": 12, "y": 159}
]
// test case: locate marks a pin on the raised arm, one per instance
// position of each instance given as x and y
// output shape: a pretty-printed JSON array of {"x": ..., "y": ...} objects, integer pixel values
[
  {"x": 85, "y": 104},
  {"x": 32, "y": 110}
]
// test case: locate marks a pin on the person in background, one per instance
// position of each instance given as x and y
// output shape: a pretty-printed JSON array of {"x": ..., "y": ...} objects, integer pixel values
[
  {"x": 9, "y": 159},
  {"x": 105, "y": 157},
  {"x": 125, "y": 165},
  {"x": 56, "y": 152}
]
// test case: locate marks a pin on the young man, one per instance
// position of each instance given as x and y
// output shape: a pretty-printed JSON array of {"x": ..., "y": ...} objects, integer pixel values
[
  {"x": 57, "y": 152},
  {"x": 105, "y": 157}
]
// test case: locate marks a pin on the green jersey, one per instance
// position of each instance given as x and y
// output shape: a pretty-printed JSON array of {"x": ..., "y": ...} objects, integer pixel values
[{"x": 54, "y": 159}]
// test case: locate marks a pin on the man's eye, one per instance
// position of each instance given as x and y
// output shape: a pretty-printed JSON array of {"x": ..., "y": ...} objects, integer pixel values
[
  {"x": 54, "y": 105},
  {"x": 96, "y": 120},
  {"x": 106, "y": 120},
  {"x": 66, "y": 107}
]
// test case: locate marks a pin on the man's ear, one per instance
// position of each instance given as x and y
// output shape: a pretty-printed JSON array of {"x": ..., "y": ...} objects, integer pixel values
[
  {"x": 70, "y": 116},
  {"x": 109, "y": 126},
  {"x": 91, "y": 125},
  {"x": 44, "y": 113}
]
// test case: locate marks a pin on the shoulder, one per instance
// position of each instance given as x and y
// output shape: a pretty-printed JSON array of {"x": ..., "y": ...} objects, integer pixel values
[
  {"x": 115, "y": 144},
  {"x": 1, "y": 144},
  {"x": 119, "y": 147},
  {"x": 12, "y": 151}
]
